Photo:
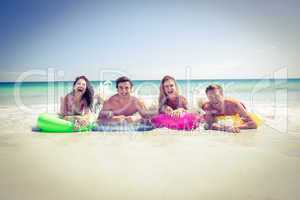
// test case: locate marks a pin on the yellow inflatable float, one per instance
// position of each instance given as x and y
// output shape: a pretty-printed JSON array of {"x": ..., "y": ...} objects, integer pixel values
[{"x": 235, "y": 120}]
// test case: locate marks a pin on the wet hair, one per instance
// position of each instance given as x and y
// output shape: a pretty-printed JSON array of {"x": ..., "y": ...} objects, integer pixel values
[
  {"x": 162, "y": 94},
  {"x": 123, "y": 79},
  {"x": 214, "y": 87},
  {"x": 89, "y": 92}
]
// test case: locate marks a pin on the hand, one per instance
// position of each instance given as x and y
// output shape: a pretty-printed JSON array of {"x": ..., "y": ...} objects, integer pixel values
[
  {"x": 132, "y": 119},
  {"x": 178, "y": 112},
  {"x": 168, "y": 110},
  {"x": 81, "y": 122},
  {"x": 232, "y": 129},
  {"x": 118, "y": 118}
]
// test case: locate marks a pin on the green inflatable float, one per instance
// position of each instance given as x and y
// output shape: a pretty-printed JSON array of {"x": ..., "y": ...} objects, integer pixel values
[{"x": 53, "y": 123}]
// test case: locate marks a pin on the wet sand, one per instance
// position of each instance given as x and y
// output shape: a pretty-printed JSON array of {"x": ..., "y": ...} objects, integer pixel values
[{"x": 160, "y": 164}]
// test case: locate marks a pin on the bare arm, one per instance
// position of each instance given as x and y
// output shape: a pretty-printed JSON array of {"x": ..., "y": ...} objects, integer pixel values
[
  {"x": 211, "y": 123},
  {"x": 249, "y": 122},
  {"x": 106, "y": 111},
  {"x": 64, "y": 109},
  {"x": 220, "y": 127},
  {"x": 142, "y": 110},
  {"x": 181, "y": 107},
  {"x": 183, "y": 103},
  {"x": 165, "y": 109}
]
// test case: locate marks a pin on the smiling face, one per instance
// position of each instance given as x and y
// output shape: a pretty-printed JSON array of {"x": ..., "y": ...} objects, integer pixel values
[
  {"x": 216, "y": 98},
  {"x": 170, "y": 88},
  {"x": 124, "y": 89},
  {"x": 80, "y": 86}
]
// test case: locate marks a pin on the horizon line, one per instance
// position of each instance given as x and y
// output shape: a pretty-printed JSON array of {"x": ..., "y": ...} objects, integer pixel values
[{"x": 210, "y": 79}]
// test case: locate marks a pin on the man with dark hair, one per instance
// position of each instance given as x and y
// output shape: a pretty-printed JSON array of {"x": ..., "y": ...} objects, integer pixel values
[
  {"x": 122, "y": 106},
  {"x": 123, "y": 79},
  {"x": 213, "y": 87},
  {"x": 218, "y": 105}
]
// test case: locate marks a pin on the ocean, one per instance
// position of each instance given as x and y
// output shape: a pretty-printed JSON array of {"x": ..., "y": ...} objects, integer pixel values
[
  {"x": 255, "y": 90},
  {"x": 274, "y": 99}
]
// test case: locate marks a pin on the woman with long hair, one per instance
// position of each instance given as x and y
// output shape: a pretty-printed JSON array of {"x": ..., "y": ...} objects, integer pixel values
[
  {"x": 173, "y": 111},
  {"x": 170, "y": 100},
  {"x": 77, "y": 105}
]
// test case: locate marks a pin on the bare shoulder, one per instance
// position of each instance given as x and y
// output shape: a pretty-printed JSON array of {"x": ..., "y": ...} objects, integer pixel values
[
  {"x": 112, "y": 99},
  {"x": 234, "y": 103},
  {"x": 68, "y": 97},
  {"x": 136, "y": 100}
]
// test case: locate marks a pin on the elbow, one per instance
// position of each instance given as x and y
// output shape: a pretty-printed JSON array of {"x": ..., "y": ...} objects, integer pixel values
[{"x": 252, "y": 125}]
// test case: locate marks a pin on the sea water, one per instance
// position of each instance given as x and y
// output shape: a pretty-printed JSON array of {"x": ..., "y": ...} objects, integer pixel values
[
  {"x": 252, "y": 90},
  {"x": 276, "y": 100}
]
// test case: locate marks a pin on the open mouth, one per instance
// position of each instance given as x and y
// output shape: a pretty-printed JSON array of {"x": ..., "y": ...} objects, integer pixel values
[{"x": 80, "y": 89}]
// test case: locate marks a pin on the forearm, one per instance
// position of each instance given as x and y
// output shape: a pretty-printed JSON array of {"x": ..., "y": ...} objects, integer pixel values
[
  {"x": 216, "y": 126},
  {"x": 86, "y": 116},
  {"x": 107, "y": 114},
  {"x": 248, "y": 125},
  {"x": 163, "y": 109},
  {"x": 166, "y": 110},
  {"x": 182, "y": 110},
  {"x": 69, "y": 117},
  {"x": 133, "y": 118},
  {"x": 148, "y": 113}
]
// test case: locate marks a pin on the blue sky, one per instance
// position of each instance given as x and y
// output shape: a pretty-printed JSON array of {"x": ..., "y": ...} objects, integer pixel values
[{"x": 148, "y": 39}]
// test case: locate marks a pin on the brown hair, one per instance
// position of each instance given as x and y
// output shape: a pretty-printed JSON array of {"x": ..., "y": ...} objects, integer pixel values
[
  {"x": 162, "y": 95},
  {"x": 89, "y": 92},
  {"x": 123, "y": 79},
  {"x": 214, "y": 87}
]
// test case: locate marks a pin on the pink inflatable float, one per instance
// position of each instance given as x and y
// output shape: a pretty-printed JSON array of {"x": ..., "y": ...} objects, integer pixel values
[{"x": 187, "y": 121}]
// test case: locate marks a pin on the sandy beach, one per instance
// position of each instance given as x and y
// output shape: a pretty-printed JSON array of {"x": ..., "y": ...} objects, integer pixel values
[{"x": 160, "y": 164}]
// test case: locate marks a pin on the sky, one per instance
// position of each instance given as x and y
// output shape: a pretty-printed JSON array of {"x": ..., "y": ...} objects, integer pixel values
[{"x": 200, "y": 39}]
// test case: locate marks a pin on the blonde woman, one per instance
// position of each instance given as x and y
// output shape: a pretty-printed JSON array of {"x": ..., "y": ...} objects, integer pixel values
[
  {"x": 173, "y": 111},
  {"x": 170, "y": 101}
]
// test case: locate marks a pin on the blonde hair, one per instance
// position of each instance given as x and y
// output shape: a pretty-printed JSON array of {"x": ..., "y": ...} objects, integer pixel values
[{"x": 162, "y": 94}]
